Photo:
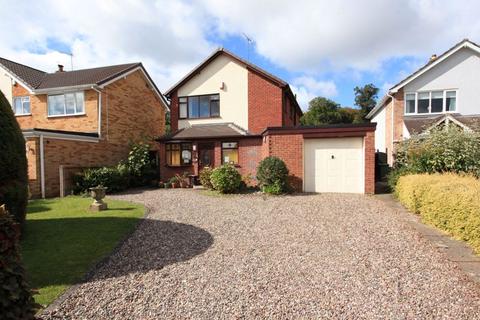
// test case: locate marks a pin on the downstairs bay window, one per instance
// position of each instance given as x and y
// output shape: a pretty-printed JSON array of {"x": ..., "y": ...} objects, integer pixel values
[
  {"x": 438, "y": 101},
  {"x": 178, "y": 154},
  {"x": 230, "y": 153}
]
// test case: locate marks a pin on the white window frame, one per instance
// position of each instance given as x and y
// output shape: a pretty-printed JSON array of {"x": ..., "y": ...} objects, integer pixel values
[
  {"x": 65, "y": 114},
  {"x": 23, "y": 99},
  {"x": 444, "y": 104}
]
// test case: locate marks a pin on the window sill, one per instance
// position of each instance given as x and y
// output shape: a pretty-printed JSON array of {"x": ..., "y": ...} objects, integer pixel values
[
  {"x": 202, "y": 118},
  {"x": 23, "y": 115},
  {"x": 178, "y": 166},
  {"x": 67, "y": 115},
  {"x": 429, "y": 113}
]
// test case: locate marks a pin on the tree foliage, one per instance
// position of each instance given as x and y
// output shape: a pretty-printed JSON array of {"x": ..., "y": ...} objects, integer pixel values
[
  {"x": 365, "y": 99},
  {"x": 322, "y": 111},
  {"x": 13, "y": 163}
]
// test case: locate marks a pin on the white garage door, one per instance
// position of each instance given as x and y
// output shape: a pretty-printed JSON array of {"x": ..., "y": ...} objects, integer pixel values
[{"x": 334, "y": 165}]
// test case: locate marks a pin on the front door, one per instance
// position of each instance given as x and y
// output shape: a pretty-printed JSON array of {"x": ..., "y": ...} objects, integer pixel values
[{"x": 206, "y": 155}]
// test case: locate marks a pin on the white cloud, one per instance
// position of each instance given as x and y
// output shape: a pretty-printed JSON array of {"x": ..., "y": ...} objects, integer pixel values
[
  {"x": 306, "y": 88},
  {"x": 314, "y": 36}
]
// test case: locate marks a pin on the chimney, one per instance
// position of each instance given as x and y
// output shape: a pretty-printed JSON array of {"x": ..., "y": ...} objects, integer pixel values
[
  {"x": 433, "y": 57},
  {"x": 60, "y": 68}
]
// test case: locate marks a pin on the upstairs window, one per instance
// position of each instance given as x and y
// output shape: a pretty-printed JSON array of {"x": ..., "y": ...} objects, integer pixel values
[
  {"x": 66, "y": 104},
  {"x": 439, "y": 101},
  {"x": 21, "y": 106},
  {"x": 198, "y": 107}
]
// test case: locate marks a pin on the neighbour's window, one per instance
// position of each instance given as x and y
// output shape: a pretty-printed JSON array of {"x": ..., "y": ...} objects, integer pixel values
[
  {"x": 230, "y": 152},
  {"x": 21, "y": 106},
  {"x": 431, "y": 102},
  {"x": 66, "y": 104},
  {"x": 451, "y": 101},
  {"x": 194, "y": 107},
  {"x": 410, "y": 103},
  {"x": 179, "y": 154}
]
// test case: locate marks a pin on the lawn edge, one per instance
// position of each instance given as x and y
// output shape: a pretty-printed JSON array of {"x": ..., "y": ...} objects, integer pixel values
[{"x": 91, "y": 271}]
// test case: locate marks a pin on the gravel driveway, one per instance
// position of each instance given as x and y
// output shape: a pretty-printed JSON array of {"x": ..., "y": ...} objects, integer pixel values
[{"x": 248, "y": 256}]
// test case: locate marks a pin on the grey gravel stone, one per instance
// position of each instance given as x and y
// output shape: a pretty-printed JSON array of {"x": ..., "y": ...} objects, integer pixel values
[{"x": 252, "y": 256}]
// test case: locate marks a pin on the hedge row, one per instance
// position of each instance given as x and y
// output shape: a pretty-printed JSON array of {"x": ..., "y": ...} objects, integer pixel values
[{"x": 450, "y": 202}]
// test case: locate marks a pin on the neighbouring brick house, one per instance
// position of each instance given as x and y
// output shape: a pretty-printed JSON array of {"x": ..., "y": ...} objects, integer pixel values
[
  {"x": 79, "y": 119},
  {"x": 442, "y": 92},
  {"x": 228, "y": 110}
]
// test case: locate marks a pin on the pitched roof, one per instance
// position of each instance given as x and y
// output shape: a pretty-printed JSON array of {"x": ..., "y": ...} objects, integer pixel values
[
  {"x": 28, "y": 75},
  {"x": 280, "y": 82},
  {"x": 421, "y": 123},
  {"x": 92, "y": 76},
  {"x": 199, "y": 131},
  {"x": 465, "y": 43},
  {"x": 40, "y": 81}
]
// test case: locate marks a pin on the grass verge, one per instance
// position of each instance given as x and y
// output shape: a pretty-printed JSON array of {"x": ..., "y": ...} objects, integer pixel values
[{"x": 63, "y": 239}]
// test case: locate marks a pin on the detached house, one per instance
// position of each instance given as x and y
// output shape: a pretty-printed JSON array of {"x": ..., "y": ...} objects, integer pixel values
[
  {"x": 228, "y": 110},
  {"x": 78, "y": 119},
  {"x": 445, "y": 91}
]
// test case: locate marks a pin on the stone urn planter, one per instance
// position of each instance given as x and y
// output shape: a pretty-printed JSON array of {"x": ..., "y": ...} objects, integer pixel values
[{"x": 98, "y": 193}]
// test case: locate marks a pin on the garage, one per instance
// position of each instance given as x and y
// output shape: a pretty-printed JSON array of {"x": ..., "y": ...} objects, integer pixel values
[
  {"x": 334, "y": 165},
  {"x": 331, "y": 158}
]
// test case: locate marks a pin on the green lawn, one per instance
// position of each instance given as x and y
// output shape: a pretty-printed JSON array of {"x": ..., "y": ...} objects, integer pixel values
[{"x": 63, "y": 239}]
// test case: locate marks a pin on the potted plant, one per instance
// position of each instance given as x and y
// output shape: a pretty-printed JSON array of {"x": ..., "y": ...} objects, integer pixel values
[
  {"x": 161, "y": 184},
  {"x": 168, "y": 185},
  {"x": 174, "y": 182}
]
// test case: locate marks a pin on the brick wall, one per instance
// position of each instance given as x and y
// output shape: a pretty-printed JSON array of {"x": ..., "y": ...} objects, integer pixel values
[
  {"x": 39, "y": 113},
  {"x": 174, "y": 112},
  {"x": 33, "y": 159},
  {"x": 369, "y": 145},
  {"x": 289, "y": 148},
  {"x": 291, "y": 116},
  {"x": 264, "y": 103}
]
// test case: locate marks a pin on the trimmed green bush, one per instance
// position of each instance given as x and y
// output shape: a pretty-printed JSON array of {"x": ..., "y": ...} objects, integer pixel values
[
  {"x": 13, "y": 164},
  {"x": 205, "y": 176},
  {"x": 226, "y": 179},
  {"x": 448, "y": 201},
  {"x": 272, "y": 174},
  {"x": 113, "y": 178},
  {"x": 16, "y": 298}
]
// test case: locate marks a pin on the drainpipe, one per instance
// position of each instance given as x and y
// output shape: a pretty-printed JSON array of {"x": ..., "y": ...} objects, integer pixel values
[
  {"x": 99, "y": 112},
  {"x": 42, "y": 167},
  {"x": 393, "y": 129}
]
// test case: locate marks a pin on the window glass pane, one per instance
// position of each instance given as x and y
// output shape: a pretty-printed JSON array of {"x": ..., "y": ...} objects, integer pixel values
[
  {"x": 80, "y": 106},
  {"x": 186, "y": 156},
  {"x": 26, "y": 105},
  {"x": 182, "y": 100},
  {"x": 70, "y": 103},
  {"x": 175, "y": 158},
  {"x": 423, "y": 102},
  {"x": 183, "y": 110},
  {"x": 215, "y": 97},
  {"x": 410, "y": 103},
  {"x": 451, "y": 103},
  {"x": 56, "y": 105},
  {"x": 229, "y": 145},
  {"x": 230, "y": 156},
  {"x": 17, "y": 109},
  {"x": 437, "y": 101},
  {"x": 204, "y": 106},
  {"x": 193, "y": 107},
  {"x": 215, "y": 108}
]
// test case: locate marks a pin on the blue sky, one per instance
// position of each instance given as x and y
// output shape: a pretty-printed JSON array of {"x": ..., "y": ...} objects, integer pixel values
[{"x": 322, "y": 48}]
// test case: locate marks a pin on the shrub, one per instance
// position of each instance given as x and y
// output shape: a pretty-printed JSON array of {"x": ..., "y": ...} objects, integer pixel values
[
  {"x": 113, "y": 178},
  {"x": 272, "y": 174},
  {"x": 449, "y": 201},
  {"x": 205, "y": 176},
  {"x": 16, "y": 299},
  {"x": 13, "y": 164},
  {"x": 226, "y": 179},
  {"x": 448, "y": 149},
  {"x": 140, "y": 167}
]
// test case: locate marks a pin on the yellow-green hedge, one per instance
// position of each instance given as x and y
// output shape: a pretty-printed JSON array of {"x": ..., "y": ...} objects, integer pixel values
[{"x": 450, "y": 202}]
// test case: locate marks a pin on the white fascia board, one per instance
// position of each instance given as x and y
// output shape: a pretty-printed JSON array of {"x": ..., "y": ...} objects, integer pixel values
[
  {"x": 462, "y": 45},
  {"x": 59, "y": 136}
]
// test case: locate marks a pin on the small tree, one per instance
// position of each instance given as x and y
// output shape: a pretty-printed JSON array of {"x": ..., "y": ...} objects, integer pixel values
[
  {"x": 365, "y": 99},
  {"x": 13, "y": 163},
  {"x": 322, "y": 111},
  {"x": 272, "y": 173}
]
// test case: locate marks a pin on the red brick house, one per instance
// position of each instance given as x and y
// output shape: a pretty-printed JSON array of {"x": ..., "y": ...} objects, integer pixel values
[
  {"x": 228, "y": 110},
  {"x": 83, "y": 118}
]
